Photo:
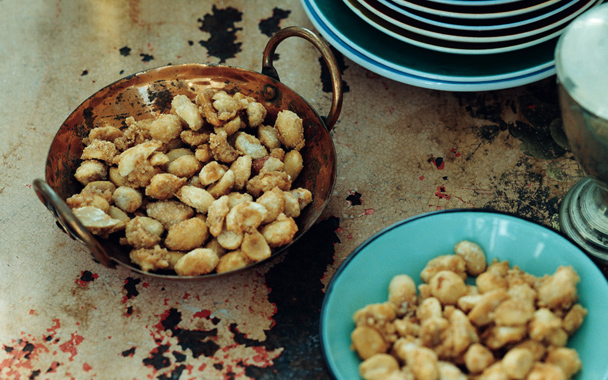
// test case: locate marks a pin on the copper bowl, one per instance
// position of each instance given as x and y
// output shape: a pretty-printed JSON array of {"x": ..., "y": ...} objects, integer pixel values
[{"x": 150, "y": 92}]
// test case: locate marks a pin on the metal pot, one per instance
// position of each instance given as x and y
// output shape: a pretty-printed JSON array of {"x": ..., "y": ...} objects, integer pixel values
[{"x": 150, "y": 92}]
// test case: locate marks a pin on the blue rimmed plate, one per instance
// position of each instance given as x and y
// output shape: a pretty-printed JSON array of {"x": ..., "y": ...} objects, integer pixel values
[
  {"x": 465, "y": 9},
  {"x": 421, "y": 67},
  {"x": 405, "y": 248}
]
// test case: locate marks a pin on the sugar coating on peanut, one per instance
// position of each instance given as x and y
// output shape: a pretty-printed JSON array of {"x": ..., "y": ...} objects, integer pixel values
[
  {"x": 199, "y": 189},
  {"x": 509, "y": 325}
]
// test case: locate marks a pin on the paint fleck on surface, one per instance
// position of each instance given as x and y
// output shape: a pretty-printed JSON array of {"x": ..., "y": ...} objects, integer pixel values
[
  {"x": 86, "y": 277},
  {"x": 31, "y": 355},
  {"x": 125, "y": 51},
  {"x": 84, "y": 72},
  {"x": 325, "y": 75},
  {"x": 354, "y": 198},
  {"x": 130, "y": 288},
  {"x": 271, "y": 25},
  {"x": 221, "y": 25},
  {"x": 438, "y": 162},
  {"x": 146, "y": 57}
]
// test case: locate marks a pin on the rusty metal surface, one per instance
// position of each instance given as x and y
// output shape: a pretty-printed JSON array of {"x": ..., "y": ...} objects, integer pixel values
[{"x": 400, "y": 151}]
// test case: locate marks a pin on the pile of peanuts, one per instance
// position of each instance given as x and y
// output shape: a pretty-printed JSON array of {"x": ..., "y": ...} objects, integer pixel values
[
  {"x": 204, "y": 188},
  {"x": 508, "y": 325}
]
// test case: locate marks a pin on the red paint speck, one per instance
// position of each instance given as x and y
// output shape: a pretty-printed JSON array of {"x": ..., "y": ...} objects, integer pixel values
[
  {"x": 86, "y": 367},
  {"x": 29, "y": 186},
  {"x": 349, "y": 236},
  {"x": 339, "y": 229},
  {"x": 421, "y": 177},
  {"x": 186, "y": 296},
  {"x": 70, "y": 345},
  {"x": 202, "y": 314},
  {"x": 532, "y": 106},
  {"x": 440, "y": 193},
  {"x": 368, "y": 211},
  {"x": 32, "y": 311},
  {"x": 146, "y": 285}
]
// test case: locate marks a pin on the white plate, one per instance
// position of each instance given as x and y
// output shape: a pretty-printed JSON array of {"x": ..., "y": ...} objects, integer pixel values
[
  {"x": 551, "y": 11},
  {"x": 420, "y": 67},
  {"x": 463, "y": 41},
  {"x": 488, "y": 11}
]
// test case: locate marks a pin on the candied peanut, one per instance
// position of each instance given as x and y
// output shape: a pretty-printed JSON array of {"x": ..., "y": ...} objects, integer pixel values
[
  {"x": 100, "y": 150},
  {"x": 250, "y": 145},
  {"x": 559, "y": 289},
  {"x": 274, "y": 202},
  {"x": 272, "y": 164},
  {"x": 187, "y": 235},
  {"x": 194, "y": 138},
  {"x": 165, "y": 128},
  {"x": 277, "y": 153},
  {"x": 132, "y": 158},
  {"x": 478, "y": 357},
  {"x": 513, "y": 312},
  {"x": 304, "y": 197},
  {"x": 108, "y": 133},
  {"x": 565, "y": 358},
  {"x": 256, "y": 113},
  {"x": 94, "y": 219},
  {"x": 245, "y": 217},
  {"x": 545, "y": 371},
  {"x": 294, "y": 163},
  {"x": 368, "y": 342},
  {"x": 290, "y": 129},
  {"x": 543, "y": 323},
  {"x": 203, "y": 153},
  {"x": 143, "y": 232},
  {"x": 481, "y": 313},
  {"x": 421, "y": 360},
  {"x": 232, "y": 126},
  {"x": 222, "y": 150},
  {"x": 187, "y": 111},
  {"x": 574, "y": 319},
  {"x": 473, "y": 255},
  {"x": 116, "y": 178},
  {"x": 88, "y": 199},
  {"x": 215, "y": 246},
  {"x": 217, "y": 214},
  {"x": 211, "y": 173},
  {"x": 230, "y": 240},
  {"x": 104, "y": 189},
  {"x": 150, "y": 258},
  {"x": 430, "y": 307},
  {"x": 91, "y": 170},
  {"x": 269, "y": 136},
  {"x": 223, "y": 186},
  {"x": 196, "y": 262},
  {"x": 517, "y": 362},
  {"x": 447, "y": 287},
  {"x": 127, "y": 198},
  {"x": 280, "y": 232},
  {"x": 235, "y": 198},
  {"x": 232, "y": 261},
  {"x": 255, "y": 247},
  {"x": 378, "y": 367},
  {"x": 195, "y": 197},
  {"x": 169, "y": 212},
  {"x": 488, "y": 281},
  {"x": 266, "y": 181},
  {"x": 226, "y": 105},
  {"x": 448, "y": 371},
  {"x": 241, "y": 168},
  {"x": 496, "y": 337},
  {"x": 184, "y": 166},
  {"x": 176, "y": 153},
  {"x": 451, "y": 263},
  {"x": 164, "y": 186},
  {"x": 402, "y": 292}
]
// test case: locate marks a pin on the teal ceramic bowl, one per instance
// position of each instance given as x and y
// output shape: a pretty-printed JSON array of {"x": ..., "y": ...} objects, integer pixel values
[{"x": 407, "y": 246}]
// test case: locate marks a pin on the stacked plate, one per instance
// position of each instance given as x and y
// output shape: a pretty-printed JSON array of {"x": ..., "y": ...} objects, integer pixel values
[{"x": 452, "y": 45}]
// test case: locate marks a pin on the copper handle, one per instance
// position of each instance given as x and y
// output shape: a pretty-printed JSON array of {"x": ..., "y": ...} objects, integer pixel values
[
  {"x": 330, "y": 60},
  {"x": 69, "y": 222}
]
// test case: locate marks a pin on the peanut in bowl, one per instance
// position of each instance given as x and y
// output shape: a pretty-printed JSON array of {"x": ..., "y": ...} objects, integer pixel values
[
  {"x": 187, "y": 162},
  {"x": 411, "y": 260}
]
